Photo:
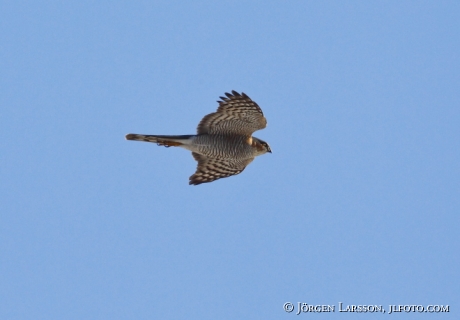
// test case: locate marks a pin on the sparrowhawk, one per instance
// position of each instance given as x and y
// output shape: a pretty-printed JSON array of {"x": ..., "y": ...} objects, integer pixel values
[{"x": 223, "y": 145}]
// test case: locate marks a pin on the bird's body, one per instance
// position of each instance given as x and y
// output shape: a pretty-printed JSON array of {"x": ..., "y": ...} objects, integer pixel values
[{"x": 224, "y": 145}]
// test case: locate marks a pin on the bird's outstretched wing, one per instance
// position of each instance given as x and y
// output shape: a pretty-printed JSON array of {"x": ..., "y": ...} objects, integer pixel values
[
  {"x": 237, "y": 114},
  {"x": 210, "y": 169}
]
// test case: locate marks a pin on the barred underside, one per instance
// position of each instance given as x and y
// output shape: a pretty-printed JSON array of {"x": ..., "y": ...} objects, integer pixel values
[{"x": 223, "y": 146}]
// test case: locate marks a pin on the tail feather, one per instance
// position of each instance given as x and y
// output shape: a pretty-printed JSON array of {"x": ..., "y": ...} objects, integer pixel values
[{"x": 167, "y": 141}]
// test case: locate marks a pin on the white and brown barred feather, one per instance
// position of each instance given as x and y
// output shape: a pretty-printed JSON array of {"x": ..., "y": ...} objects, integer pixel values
[
  {"x": 237, "y": 114},
  {"x": 210, "y": 169},
  {"x": 228, "y": 132}
]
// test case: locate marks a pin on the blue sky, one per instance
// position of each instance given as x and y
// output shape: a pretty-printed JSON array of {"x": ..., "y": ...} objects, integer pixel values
[{"x": 359, "y": 202}]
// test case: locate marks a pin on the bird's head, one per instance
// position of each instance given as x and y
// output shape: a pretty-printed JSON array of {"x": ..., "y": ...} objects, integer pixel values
[{"x": 261, "y": 146}]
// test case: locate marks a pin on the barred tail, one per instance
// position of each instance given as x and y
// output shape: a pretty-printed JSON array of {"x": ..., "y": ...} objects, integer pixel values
[{"x": 167, "y": 141}]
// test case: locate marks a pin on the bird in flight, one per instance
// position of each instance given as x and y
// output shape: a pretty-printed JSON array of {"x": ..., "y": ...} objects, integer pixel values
[{"x": 223, "y": 145}]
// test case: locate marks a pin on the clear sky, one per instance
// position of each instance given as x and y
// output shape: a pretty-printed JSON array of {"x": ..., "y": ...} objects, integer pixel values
[{"x": 359, "y": 202}]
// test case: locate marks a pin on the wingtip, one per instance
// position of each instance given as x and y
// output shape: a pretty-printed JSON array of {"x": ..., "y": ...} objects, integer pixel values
[
  {"x": 130, "y": 136},
  {"x": 195, "y": 180}
]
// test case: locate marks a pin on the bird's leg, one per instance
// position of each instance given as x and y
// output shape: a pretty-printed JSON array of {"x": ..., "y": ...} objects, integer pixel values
[
  {"x": 162, "y": 145},
  {"x": 168, "y": 143}
]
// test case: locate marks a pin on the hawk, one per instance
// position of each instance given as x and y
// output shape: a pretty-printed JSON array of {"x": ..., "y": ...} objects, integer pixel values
[{"x": 223, "y": 145}]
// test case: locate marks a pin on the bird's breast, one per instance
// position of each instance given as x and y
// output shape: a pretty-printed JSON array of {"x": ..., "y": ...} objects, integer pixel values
[{"x": 224, "y": 146}]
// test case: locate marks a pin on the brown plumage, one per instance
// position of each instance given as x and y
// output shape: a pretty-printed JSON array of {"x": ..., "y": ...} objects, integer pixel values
[{"x": 223, "y": 145}]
